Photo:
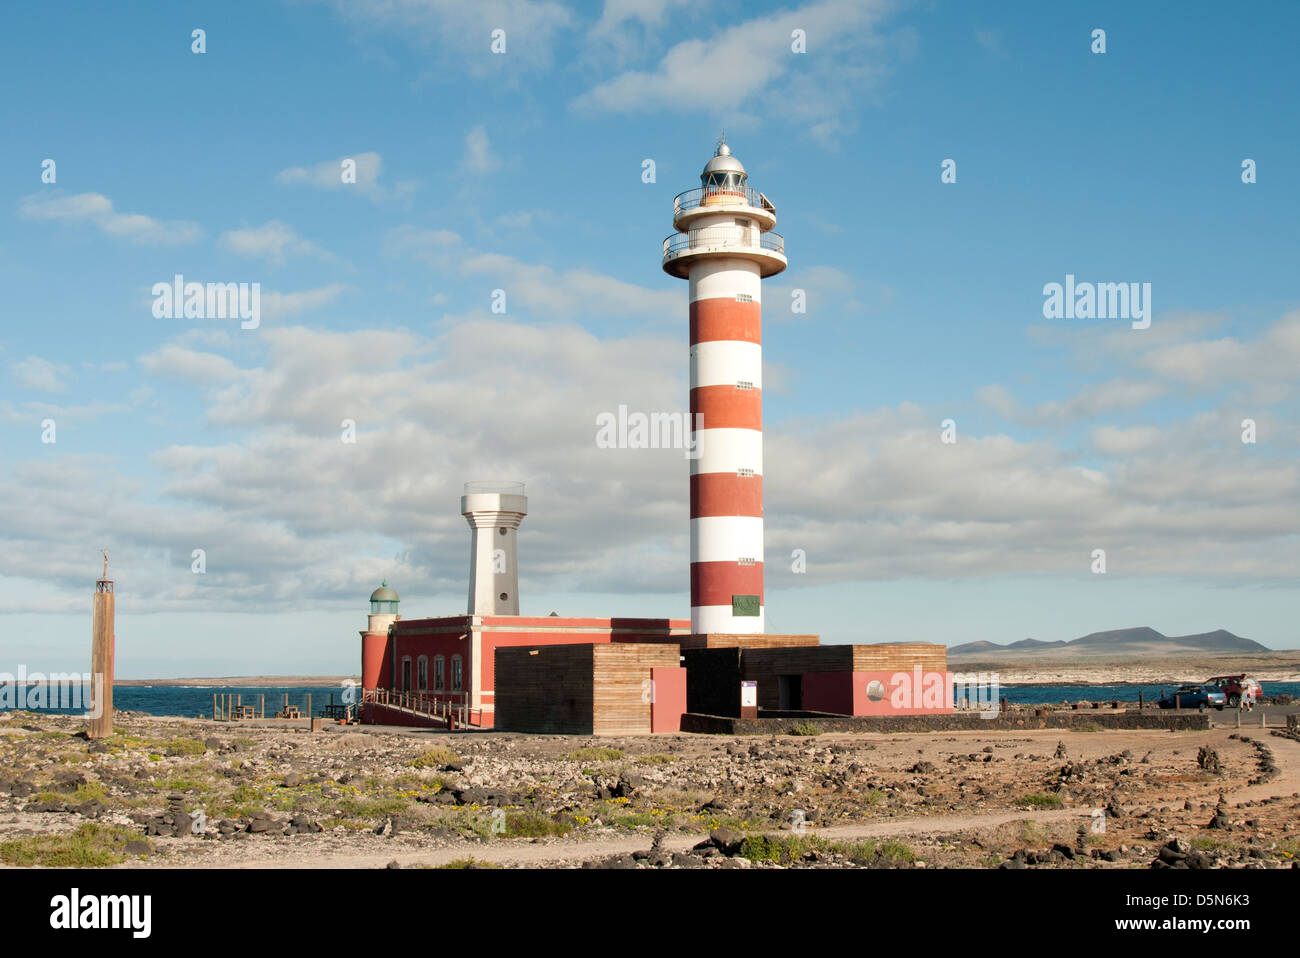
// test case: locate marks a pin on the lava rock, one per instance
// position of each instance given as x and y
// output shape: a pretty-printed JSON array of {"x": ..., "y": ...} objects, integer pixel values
[{"x": 726, "y": 840}]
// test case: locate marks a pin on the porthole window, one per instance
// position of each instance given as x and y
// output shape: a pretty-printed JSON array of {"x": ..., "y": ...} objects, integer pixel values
[{"x": 504, "y": 596}]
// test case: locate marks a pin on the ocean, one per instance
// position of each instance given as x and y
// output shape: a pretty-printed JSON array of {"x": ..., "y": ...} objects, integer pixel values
[{"x": 192, "y": 700}]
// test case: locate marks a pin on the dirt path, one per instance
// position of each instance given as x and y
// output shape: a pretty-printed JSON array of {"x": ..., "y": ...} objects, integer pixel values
[
  {"x": 1287, "y": 755},
  {"x": 504, "y": 852}
]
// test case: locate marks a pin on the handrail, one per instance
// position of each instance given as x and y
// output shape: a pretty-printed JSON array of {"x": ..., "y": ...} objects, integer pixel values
[
  {"x": 743, "y": 196},
  {"x": 735, "y": 237},
  {"x": 440, "y": 705}
]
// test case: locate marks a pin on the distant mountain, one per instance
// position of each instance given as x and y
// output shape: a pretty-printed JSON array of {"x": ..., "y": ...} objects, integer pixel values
[{"x": 1141, "y": 640}]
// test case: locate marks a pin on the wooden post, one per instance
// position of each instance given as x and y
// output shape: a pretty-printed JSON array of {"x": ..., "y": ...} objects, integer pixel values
[
  {"x": 1139, "y": 700},
  {"x": 102, "y": 640},
  {"x": 1178, "y": 703},
  {"x": 263, "y": 706},
  {"x": 308, "y": 706},
  {"x": 214, "y": 706}
]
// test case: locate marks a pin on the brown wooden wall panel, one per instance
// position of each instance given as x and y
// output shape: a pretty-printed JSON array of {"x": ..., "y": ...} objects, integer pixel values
[
  {"x": 900, "y": 658},
  {"x": 621, "y": 673},
  {"x": 551, "y": 691},
  {"x": 737, "y": 640},
  {"x": 598, "y": 689}
]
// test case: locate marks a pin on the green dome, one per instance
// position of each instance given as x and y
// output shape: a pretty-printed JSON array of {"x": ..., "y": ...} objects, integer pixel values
[{"x": 384, "y": 594}]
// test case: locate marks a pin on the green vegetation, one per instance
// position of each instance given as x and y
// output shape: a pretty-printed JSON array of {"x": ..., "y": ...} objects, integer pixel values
[
  {"x": 92, "y": 792},
  {"x": 533, "y": 825},
  {"x": 785, "y": 849},
  {"x": 359, "y": 807},
  {"x": 185, "y": 746},
  {"x": 595, "y": 754},
  {"x": 639, "y": 819},
  {"x": 1038, "y": 800},
  {"x": 1208, "y": 843},
  {"x": 658, "y": 758},
  {"x": 434, "y": 757},
  {"x": 182, "y": 783},
  {"x": 470, "y": 862},
  {"x": 89, "y": 846},
  {"x": 805, "y": 728}
]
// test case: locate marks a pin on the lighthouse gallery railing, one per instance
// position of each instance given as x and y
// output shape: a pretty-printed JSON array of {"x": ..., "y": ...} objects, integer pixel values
[
  {"x": 723, "y": 195},
  {"x": 713, "y": 237}
]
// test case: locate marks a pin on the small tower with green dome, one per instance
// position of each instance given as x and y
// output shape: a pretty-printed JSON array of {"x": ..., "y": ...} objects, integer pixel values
[{"x": 374, "y": 641}]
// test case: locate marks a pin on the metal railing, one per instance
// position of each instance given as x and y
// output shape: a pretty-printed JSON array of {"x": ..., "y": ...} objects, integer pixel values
[
  {"x": 720, "y": 196},
  {"x": 503, "y": 488},
  {"x": 725, "y": 237},
  {"x": 440, "y": 705}
]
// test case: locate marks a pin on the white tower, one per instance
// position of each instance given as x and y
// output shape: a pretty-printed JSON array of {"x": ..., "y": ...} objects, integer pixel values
[
  {"x": 725, "y": 248},
  {"x": 494, "y": 511}
]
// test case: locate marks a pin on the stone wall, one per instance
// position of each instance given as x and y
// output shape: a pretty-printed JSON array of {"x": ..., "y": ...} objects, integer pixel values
[{"x": 1007, "y": 721}]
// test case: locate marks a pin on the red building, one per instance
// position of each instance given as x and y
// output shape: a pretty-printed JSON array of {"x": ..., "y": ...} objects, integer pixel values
[{"x": 449, "y": 662}]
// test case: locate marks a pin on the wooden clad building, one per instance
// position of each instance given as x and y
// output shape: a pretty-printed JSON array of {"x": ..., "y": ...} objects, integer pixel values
[
  {"x": 590, "y": 689},
  {"x": 839, "y": 678}
]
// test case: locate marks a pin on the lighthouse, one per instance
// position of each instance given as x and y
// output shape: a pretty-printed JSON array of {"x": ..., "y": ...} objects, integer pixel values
[
  {"x": 724, "y": 247},
  {"x": 494, "y": 511}
]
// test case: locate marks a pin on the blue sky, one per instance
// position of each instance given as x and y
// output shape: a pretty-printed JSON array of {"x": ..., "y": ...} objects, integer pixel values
[{"x": 523, "y": 171}]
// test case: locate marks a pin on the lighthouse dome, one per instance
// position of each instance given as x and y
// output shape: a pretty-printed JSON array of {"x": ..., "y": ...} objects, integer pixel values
[
  {"x": 383, "y": 601},
  {"x": 723, "y": 162}
]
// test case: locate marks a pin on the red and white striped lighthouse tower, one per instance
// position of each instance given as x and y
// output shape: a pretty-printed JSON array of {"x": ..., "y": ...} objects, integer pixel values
[{"x": 725, "y": 248}]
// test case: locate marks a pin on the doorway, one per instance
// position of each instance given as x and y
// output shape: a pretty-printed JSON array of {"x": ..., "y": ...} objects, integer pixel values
[{"x": 789, "y": 692}]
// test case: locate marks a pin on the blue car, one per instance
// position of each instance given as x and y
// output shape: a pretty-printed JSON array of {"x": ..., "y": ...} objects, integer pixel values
[{"x": 1194, "y": 697}]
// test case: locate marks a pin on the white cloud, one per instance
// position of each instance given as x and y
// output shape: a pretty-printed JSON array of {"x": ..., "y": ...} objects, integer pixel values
[
  {"x": 328, "y": 175},
  {"x": 479, "y": 157},
  {"x": 625, "y": 27},
  {"x": 97, "y": 209},
  {"x": 1273, "y": 357},
  {"x": 272, "y": 241},
  {"x": 571, "y": 294},
  {"x": 1091, "y": 400},
  {"x": 1115, "y": 441},
  {"x": 40, "y": 374},
  {"x": 276, "y": 305},
  {"x": 750, "y": 68},
  {"x": 462, "y": 31},
  {"x": 990, "y": 39}
]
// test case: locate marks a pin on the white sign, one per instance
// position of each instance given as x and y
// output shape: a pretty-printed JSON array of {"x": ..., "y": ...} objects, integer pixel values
[{"x": 748, "y": 695}]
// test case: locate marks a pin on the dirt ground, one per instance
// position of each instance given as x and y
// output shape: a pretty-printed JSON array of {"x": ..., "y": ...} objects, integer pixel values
[{"x": 203, "y": 794}]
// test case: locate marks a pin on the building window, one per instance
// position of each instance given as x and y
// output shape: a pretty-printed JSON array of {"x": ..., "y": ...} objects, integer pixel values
[
  {"x": 744, "y": 384},
  {"x": 439, "y": 672},
  {"x": 742, "y": 222},
  {"x": 406, "y": 673},
  {"x": 745, "y": 473},
  {"x": 744, "y": 298},
  {"x": 457, "y": 676},
  {"x": 745, "y": 560},
  {"x": 422, "y": 672}
]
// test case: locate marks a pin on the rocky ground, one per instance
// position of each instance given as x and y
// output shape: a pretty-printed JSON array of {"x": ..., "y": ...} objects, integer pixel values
[{"x": 195, "y": 793}]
